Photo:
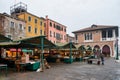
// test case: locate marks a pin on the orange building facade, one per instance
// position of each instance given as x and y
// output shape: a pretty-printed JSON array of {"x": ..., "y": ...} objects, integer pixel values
[{"x": 34, "y": 25}]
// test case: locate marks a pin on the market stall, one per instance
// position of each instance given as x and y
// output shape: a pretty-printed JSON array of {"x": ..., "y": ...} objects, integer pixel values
[
  {"x": 3, "y": 66},
  {"x": 68, "y": 50},
  {"x": 81, "y": 55},
  {"x": 39, "y": 42}
]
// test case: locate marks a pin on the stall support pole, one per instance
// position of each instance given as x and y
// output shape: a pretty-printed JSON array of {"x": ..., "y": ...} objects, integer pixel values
[
  {"x": 70, "y": 52},
  {"x": 42, "y": 59},
  {"x": 17, "y": 53}
]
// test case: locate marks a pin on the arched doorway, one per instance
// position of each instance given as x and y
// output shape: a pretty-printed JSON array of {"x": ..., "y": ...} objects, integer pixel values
[
  {"x": 96, "y": 47},
  {"x": 96, "y": 50},
  {"x": 106, "y": 50}
]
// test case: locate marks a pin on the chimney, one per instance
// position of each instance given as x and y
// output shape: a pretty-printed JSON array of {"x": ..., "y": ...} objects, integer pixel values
[{"x": 46, "y": 16}]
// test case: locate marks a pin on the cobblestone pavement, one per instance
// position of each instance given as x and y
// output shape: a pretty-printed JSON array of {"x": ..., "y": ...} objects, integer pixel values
[{"x": 74, "y": 71}]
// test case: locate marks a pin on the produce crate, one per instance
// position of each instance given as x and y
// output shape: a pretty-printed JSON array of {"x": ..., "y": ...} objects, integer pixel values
[
  {"x": 67, "y": 60},
  {"x": 33, "y": 66},
  {"x": 79, "y": 59}
]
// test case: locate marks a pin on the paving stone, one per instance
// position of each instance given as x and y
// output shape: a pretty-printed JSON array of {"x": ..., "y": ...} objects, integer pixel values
[{"x": 74, "y": 71}]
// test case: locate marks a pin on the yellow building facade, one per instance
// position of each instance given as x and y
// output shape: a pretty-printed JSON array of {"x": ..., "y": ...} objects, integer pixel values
[{"x": 34, "y": 24}]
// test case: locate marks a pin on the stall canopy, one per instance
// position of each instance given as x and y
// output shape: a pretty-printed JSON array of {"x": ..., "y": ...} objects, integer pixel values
[
  {"x": 4, "y": 39},
  {"x": 16, "y": 45},
  {"x": 34, "y": 42},
  {"x": 89, "y": 48},
  {"x": 82, "y": 48},
  {"x": 65, "y": 45},
  {"x": 68, "y": 45}
]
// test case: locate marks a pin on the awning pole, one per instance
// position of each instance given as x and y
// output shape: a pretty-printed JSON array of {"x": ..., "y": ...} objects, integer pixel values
[
  {"x": 17, "y": 53},
  {"x": 70, "y": 52},
  {"x": 42, "y": 59}
]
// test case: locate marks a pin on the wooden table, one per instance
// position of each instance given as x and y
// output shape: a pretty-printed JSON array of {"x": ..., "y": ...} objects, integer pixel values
[
  {"x": 4, "y": 66},
  {"x": 85, "y": 58},
  {"x": 21, "y": 66}
]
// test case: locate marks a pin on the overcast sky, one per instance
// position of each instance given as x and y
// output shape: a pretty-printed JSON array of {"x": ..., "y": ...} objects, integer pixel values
[{"x": 75, "y": 14}]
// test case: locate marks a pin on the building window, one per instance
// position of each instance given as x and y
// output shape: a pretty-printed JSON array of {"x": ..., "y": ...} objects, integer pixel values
[
  {"x": 58, "y": 36},
  {"x": 29, "y": 18},
  {"x": 110, "y": 34},
  {"x": 36, "y": 21},
  {"x": 64, "y": 30},
  {"x": 20, "y": 26},
  {"x": 54, "y": 25},
  {"x": 61, "y": 29},
  {"x": 50, "y": 24},
  {"x": 54, "y": 34},
  {"x": 103, "y": 34},
  {"x": 76, "y": 37},
  {"x": 35, "y": 30},
  {"x": 88, "y": 36},
  {"x": 44, "y": 25},
  {"x": 12, "y": 24},
  {"x": 85, "y": 37},
  {"x": 50, "y": 33},
  {"x": 58, "y": 27},
  {"x": 64, "y": 37},
  {"x": 61, "y": 37},
  {"x": 40, "y": 32},
  {"x": 107, "y": 33},
  {"x": 20, "y": 37},
  {"x": 29, "y": 28},
  {"x": 117, "y": 32},
  {"x": 40, "y": 23}
]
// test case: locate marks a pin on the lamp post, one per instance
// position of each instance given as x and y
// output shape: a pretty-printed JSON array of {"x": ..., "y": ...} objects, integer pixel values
[{"x": 117, "y": 56}]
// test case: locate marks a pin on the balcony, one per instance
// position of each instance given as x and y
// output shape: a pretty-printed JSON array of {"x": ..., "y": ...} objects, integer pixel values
[
  {"x": 88, "y": 40},
  {"x": 108, "y": 39}
]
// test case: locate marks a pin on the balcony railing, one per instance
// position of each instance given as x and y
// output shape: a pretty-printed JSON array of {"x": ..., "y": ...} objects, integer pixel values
[
  {"x": 88, "y": 40},
  {"x": 108, "y": 39}
]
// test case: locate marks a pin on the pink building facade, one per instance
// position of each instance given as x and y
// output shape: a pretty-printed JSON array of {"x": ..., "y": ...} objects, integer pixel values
[{"x": 54, "y": 31}]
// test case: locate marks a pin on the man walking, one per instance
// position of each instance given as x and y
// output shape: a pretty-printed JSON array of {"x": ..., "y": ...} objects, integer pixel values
[{"x": 102, "y": 58}]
